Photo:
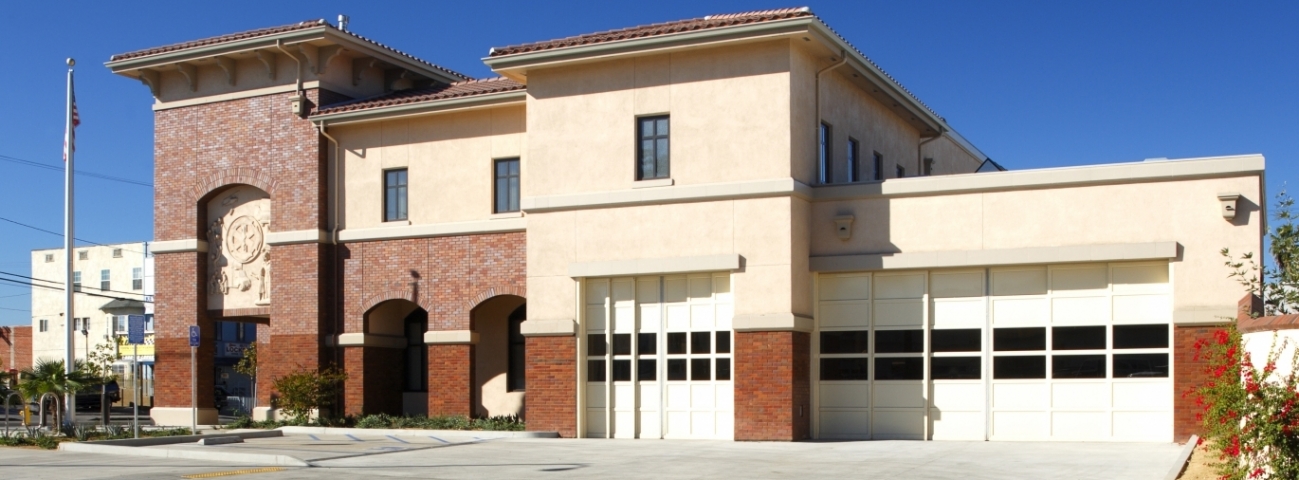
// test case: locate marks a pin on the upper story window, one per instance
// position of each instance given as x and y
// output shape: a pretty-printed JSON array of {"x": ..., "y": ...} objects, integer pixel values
[
  {"x": 902, "y": 171},
  {"x": 117, "y": 253},
  {"x": 83, "y": 255},
  {"x": 928, "y": 167},
  {"x": 506, "y": 186},
  {"x": 824, "y": 159},
  {"x": 44, "y": 325},
  {"x": 76, "y": 281},
  {"x": 394, "y": 195},
  {"x": 49, "y": 258},
  {"x": 137, "y": 278},
  {"x": 854, "y": 163},
  {"x": 652, "y": 158},
  {"x": 879, "y": 167},
  {"x": 104, "y": 277}
]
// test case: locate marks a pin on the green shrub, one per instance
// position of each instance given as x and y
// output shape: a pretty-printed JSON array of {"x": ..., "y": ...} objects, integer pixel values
[{"x": 305, "y": 390}]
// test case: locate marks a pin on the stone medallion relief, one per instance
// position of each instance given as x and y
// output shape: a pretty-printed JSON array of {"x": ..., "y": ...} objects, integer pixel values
[{"x": 239, "y": 261}]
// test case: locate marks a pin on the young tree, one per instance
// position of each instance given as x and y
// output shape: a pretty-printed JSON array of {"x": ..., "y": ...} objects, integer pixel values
[
  {"x": 248, "y": 366},
  {"x": 99, "y": 369}
]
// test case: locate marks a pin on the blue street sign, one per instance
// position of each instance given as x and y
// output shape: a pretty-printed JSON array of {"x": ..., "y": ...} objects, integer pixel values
[
  {"x": 193, "y": 335},
  {"x": 135, "y": 329}
]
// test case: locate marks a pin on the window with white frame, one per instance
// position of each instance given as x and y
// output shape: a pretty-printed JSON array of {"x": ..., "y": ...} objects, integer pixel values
[
  {"x": 49, "y": 258},
  {"x": 117, "y": 253},
  {"x": 119, "y": 324},
  {"x": 83, "y": 255},
  {"x": 148, "y": 323},
  {"x": 76, "y": 281},
  {"x": 44, "y": 325},
  {"x": 137, "y": 278},
  {"x": 104, "y": 277}
]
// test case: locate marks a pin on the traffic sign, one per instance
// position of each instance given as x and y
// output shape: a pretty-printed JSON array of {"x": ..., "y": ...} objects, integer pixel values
[
  {"x": 193, "y": 335},
  {"x": 135, "y": 329}
]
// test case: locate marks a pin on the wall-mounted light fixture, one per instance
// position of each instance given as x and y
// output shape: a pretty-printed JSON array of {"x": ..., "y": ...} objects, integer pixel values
[
  {"x": 295, "y": 104},
  {"x": 1228, "y": 201},
  {"x": 843, "y": 226}
]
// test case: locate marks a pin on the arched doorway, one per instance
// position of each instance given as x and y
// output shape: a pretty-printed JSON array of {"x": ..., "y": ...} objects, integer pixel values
[
  {"x": 499, "y": 357},
  {"x": 395, "y": 358}
]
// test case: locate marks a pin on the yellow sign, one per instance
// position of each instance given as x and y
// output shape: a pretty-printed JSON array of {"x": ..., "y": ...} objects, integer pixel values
[{"x": 125, "y": 349}]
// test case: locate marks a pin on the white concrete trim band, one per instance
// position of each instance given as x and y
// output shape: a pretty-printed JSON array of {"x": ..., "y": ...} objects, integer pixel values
[
  {"x": 772, "y": 322},
  {"x": 677, "y": 194},
  {"x": 296, "y": 237},
  {"x": 499, "y": 225},
  {"x": 178, "y": 246},
  {"x": 984, "y": 258},
  {"x": 561, "y": 327},
  {"x": 655, "y": 266},
  {"x": 1204, "y": 316},
  {"x": 451, "y": 337},
  {"x": 371, "y": 340}
]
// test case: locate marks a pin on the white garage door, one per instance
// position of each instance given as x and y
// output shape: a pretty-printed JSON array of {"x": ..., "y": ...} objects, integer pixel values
[
  {"x": 1076, "y": 352},
  {"x": 659, "y": 356}
]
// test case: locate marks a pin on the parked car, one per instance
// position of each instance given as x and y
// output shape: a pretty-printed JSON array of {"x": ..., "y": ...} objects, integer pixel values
[{"x": 88, "y": 398}]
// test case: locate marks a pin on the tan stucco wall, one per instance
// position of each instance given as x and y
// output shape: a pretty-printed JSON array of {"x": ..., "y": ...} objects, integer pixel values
[
  {"x": 851, "y": 113},
  {"x": 48, "y": 303},
  {"x": 729, "y": 108},
  {"x": 1187, "y": 212},
  {"x": 949, "y": 158},
  {"x": 448, "y": 157},
  {"x": 492, "y": 361}
]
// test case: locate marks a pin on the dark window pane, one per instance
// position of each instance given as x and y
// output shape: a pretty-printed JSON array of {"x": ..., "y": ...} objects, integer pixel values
[
  {"x": 701, "y": 342},
  {"x": 1078, "y": 366},
  {"x": 595, "y": 371},
  {"x": 1018, "y": 339},
  {"x": 845, "y": 342},
  {"x": 647, "y": 369},
  {"x": 596, "y": 345},
  {"x": 1140, "y": 365},
  {"x": 961, "y": 340},
  {"x": 1018, "y": 367},
  {"x": 723, "y": 369},
  {"x": 1078, "y": 338},
  {"x": 899, "y": 341},
  {"x": 676, "y": 369},
  {"x": 700, "y": 369},
  {"x": 622, "y": 344},
  {"x": 646, "y": 343},
  {"x": 955, "y": 368},
  {"x": 724, "y": 342},
  {"x": 909, "y": 368},
  {"x": 622, "y": 370},
  {"x": 676, "y": 343},
  {"x": 845, "y": 369},
  {"x": 1141, "y": 336}
]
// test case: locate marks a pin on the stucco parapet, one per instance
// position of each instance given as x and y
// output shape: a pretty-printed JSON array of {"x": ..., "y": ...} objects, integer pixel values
[
  {"x": 1203, "y": 315},
  {"x": 783, "y": 187},
  {"x": 178, "y": 246},
  {"x": 560, "y": 327},
  {"x": 498, "y": 225},
  {"x": 772, "y": 322},
  {"x": 983, "y": 258},
  {"x": 451, "y": 337},
  {"x": 296, "y": 237},
  {"x": 652, "y": 266},
  {"x": 371, "y": 340},
  {"x": 1118, "y": 173}
]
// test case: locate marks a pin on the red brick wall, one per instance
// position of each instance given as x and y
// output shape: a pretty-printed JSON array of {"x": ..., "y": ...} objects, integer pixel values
[
  {"x": 1188, "y": 374},
  {"x": 450, "y": 375},
  {"x": 374, "y": 380},
  {"x": 552, "y": 385},
  {"x": 176, "y": 307},
  {"x": 772, "y": 385},
  {"x": 16, "y": 347}
]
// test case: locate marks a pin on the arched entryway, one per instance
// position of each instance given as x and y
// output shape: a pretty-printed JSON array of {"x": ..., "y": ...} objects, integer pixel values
[
  {"x": 394, "y": 360},
  {"x": 499, "y": 357}
]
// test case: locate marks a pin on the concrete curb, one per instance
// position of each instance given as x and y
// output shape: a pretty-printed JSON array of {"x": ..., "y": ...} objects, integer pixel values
[
  {"x": 187, "y": 454},
  {"x": 1183, "y": 457},
  {"x": 480, "y": 434},
  {"x": 151, "y": 441}
]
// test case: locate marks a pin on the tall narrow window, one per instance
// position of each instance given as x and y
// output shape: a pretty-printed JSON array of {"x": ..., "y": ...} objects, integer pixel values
[
  {"x": 854, "y": 163},
  {"x": 76, "y": 281},
  {"x": 137, "y": 278},
  {"x": 824, "y": 158},
  {"x": 416, "y": 371},
  {"x": 45, "y": 325},
  {"x": 104, "y": 276},
  {"x": 394, "y": 195},
  {"x": 516, "y": 378},
  {"x": 506, "y": 186},
  {"x": 902, "y": 171},
  {"x": 928, "y": 167},
  {"x": 653, "y": 158},
  {"x": 878, "y": 172}
]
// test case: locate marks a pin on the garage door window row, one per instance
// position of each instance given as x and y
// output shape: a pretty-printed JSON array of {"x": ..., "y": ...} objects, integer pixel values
[
  {"x": 681, "y": 362},
  {"x": 1091, "y": 353},
  {"x": 899, "y": 355}
]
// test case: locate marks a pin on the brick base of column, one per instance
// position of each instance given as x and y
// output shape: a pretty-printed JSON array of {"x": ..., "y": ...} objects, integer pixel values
[
  {"x": 172, "y": 373},
  {"x": 450, "y": 375},
  {"x": 285, "y": 354},
  {"x": 374, "y": 381},
  {"x": 772, "y": 386},
  {"x": 1188, "y": 374},
  {"x": 552, "y": 385}
]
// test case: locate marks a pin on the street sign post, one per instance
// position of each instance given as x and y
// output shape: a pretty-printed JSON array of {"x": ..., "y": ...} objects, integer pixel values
[
  {"x": 135, "y": 337},
  {"x": 193, "y": 378}
]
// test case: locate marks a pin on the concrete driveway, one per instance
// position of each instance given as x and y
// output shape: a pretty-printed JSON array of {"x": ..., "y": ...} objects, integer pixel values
[{"x": 647, "y": 459}]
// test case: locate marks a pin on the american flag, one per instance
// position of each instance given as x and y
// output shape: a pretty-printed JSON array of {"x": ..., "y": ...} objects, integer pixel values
[{"x": 69, "y": 141}]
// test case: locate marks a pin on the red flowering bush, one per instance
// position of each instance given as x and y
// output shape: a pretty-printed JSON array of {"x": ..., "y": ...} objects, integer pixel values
[{"x": 1249, "y": 413}]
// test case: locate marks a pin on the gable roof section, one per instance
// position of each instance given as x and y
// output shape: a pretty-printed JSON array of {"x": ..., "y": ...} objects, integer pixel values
[{"x": 463, "y": 89}]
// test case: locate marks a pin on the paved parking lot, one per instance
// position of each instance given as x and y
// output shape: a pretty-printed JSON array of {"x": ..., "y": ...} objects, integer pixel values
[{"x": 452, "y": 458}]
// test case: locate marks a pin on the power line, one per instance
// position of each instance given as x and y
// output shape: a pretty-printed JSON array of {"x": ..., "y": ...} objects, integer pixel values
[
  {"x": 78, "y": 172},
  {"x": 33, "y": 285},
  {"x": 59, "y": 285},
  {"x": 14, "y": 309},
  {"x": 51, "y": 232},
  {"x": 17, "y": 295}
]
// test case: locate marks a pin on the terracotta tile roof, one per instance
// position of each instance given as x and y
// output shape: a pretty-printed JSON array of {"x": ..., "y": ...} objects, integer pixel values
[
  {"x": 443, "y": 92},
  {"x": 1268, "y": 324},
  {"x": 261, "y": 32},
  {"x": 680, "y": 26}
]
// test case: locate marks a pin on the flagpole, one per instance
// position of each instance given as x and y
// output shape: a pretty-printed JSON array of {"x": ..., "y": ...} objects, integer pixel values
[{"x": 69, "y": 148}]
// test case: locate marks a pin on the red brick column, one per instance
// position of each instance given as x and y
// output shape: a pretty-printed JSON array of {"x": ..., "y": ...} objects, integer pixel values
[
  {"x": 300, "y": 318},
  {"x": 772, "y": 386},
  {"x": 450, "y": 376},
  {"x": 374, "y": 382},
  {"x": 552, "y": 385},
  {"x": 1188, "y": 375},
  {"x": 177, "y": 308}
]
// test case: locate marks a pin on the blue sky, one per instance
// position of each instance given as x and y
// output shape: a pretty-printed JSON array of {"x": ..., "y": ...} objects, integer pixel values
[{"x": 1032, "y": 84}]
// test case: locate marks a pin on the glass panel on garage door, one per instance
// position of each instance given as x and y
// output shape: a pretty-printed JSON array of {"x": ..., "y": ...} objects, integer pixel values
[{"x": 660, "y": 366}]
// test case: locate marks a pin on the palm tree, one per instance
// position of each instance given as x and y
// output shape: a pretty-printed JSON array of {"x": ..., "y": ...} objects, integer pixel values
[{"x": 47, "y": 376}]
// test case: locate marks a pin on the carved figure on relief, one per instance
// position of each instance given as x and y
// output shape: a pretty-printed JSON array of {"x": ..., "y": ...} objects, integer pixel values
[{"x": 238, "y": 256}]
